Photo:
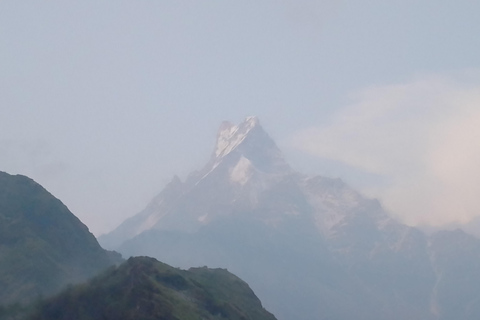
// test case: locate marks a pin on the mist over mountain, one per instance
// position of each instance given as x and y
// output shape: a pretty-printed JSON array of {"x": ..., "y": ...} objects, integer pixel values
[
  {"x": 43, "y": 246},
  {"x": 311, "y": 247}
]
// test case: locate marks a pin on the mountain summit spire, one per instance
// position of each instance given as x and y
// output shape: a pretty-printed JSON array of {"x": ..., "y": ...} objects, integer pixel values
[
  {"x": 247, "y": 141},
  {"x": 230, "y": 136}
]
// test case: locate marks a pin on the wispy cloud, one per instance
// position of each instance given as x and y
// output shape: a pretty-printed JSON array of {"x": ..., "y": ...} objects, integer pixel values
[{"x": 424, "y": 136}]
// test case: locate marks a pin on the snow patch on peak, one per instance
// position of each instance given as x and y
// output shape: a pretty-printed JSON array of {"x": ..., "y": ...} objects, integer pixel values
[
  {"x": 224, "y": 140},
  {"x": 251, "y": 121},
  {"x": 242, "y": 172},
  {"x": 230, "y": 136}
]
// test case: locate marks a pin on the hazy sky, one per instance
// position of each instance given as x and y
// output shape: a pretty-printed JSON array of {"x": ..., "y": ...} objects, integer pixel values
[{"x": 102, "y": 102}]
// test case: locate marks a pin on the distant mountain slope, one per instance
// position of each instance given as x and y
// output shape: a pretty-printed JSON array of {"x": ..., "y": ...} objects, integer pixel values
[
  {"x": 43, "y": 246},
  {"x": 311, "y": 247},
  {"x": 455, "y": 258},
  {"x": 244, "y": 163},
  {"x": 143, "y": 288}
]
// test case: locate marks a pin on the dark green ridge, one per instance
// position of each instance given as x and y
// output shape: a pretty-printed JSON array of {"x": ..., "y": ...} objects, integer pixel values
[
  {"x": 144, "y": 288},
  {"x": 43, "y": 246}
]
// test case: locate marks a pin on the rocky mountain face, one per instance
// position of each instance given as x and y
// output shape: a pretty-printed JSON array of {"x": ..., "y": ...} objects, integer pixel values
[
  {"x": 310, "y": 246},
  {"x": 43, "y": 246},
  {"x": 144, "y": 288}
]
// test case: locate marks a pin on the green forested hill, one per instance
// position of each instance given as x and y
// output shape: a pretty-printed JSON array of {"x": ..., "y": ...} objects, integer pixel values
[
  {"x": 144, "y": 288},
  {"x": 43, "y": 246}
]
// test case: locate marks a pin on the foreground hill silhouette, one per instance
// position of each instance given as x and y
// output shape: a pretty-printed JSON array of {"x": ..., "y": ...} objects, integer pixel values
[
  {"x": 144, "y": 288},
  {"x": 311, "y": 247},
  {"x": 43, "y": 246}
]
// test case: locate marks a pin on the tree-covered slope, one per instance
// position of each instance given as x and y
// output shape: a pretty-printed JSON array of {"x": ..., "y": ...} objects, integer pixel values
[
  {"x": 43, "y": 246},
  {"x": 144, "y": 288}
]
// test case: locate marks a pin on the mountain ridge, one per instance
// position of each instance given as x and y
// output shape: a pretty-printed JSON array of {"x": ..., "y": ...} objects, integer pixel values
[
  {"x": 340, "y": 253},
  {"x": 43, "y": 246},
  {"x": 233, "y": 144},
  {"x": 144, "y": 288}
]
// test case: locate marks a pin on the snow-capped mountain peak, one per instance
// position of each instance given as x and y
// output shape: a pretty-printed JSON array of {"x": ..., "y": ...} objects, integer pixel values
[
  {"x": 246, "y": 141},
  {"x": 230, "y": 136},
  {"x": 248, "y": 210}
]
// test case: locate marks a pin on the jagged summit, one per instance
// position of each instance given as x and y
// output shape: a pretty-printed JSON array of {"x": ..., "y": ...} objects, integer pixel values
[
  {"x": 245, "y": 162},
  {"x": 246, "y": 173},
  {"x": 230, "y": 136},
  {"x": 246, "y": 146}
]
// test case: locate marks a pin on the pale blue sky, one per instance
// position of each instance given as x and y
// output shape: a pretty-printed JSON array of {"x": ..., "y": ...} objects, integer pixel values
[{"x": 102, "y": 102}]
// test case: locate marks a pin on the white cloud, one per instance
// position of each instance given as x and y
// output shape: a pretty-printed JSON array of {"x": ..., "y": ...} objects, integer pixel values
[{"x": 424, "y": 136}]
